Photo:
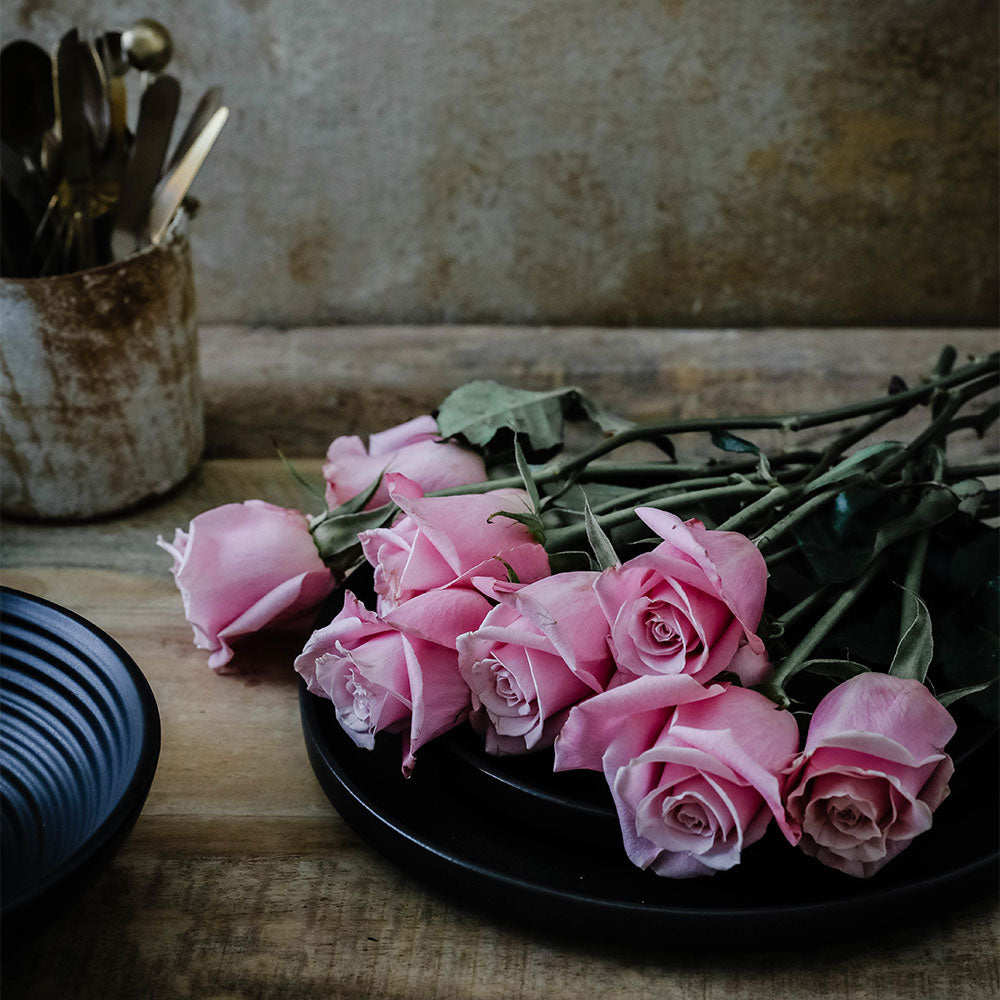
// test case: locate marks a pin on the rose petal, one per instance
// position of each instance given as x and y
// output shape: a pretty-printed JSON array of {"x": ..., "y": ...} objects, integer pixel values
[
  {"x": 645, "y": 704},
  {"x": 729, "y": 560},
  {"x": 440, "y": 616}
]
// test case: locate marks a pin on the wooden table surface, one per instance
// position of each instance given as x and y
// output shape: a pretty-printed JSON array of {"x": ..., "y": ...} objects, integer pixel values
[{"x": 240, "y": 880}]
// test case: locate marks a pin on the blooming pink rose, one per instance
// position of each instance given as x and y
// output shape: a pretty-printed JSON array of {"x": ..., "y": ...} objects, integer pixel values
[
  {"x": 537, "y": 653},
  {"x": 413, "y": 449},
  {"x": 447, "y": 541},
  {"x": 380, "y": 678},
  {"x": 690, "y": 606},
  {"x": 872, "y": 772},
  {"x": 694, "y": 771},
  {"x": 244, "y": 567}
]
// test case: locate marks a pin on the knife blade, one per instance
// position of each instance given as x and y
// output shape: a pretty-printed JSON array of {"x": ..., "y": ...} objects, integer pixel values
[
  {"x": 171, "y": 193},
  {"x": 157, "y": 111}
]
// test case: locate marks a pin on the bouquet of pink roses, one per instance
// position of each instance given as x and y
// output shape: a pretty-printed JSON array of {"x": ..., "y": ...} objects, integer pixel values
[{"x": 754, "y": 636}]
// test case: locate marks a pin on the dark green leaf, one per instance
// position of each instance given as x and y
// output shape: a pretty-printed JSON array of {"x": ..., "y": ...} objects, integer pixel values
[
  {"x": 950, "y": 697},
  {"x": 604, "y": 551},
  {"x": 478, "y": 410},
  {"x": 511, "y": 572},
  {"x": 916, "y": 647},
  {"x": 526, "y": 477},
  {"x": 666, "y": 446},
  {"x": 841, "y": 669},
  {"x": 607, "y": 420},
  {"x": 862, "y": 461},
  {"x": 843, "y": 538},
  {"x": 596, "y": 494},
  {"x": 316, "y": 491},
  {"x": 529, "y": 519},
  {"x": 971, "y": 493},
  {"x": 336, "y": 534},
  {"x": 359, "y": 501}
]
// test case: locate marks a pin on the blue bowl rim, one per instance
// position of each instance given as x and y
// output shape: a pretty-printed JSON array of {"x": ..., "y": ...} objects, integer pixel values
[{"x": 129, "y": 805}]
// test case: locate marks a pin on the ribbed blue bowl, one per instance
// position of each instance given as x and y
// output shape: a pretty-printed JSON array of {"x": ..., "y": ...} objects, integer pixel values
[{"x": 79, "y": 744}]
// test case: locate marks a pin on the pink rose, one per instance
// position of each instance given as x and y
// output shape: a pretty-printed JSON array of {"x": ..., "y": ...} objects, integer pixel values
[
  {"x": 694, "y": 771},
  {"x": 872, "y": 772},
  {"x": 244, "y": 567},
  {"x": 413, "y": 449},
  {"x": 446, "y": 541},
  {"x": 537, "y": 653},
  {"x": 380, "y": 678},
  {"x": 690, "y": 606}
]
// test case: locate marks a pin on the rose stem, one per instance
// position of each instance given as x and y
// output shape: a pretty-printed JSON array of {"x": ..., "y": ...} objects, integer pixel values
[
  {"x": 819, "y": 631},
  {"x": 788, "y": 421}
]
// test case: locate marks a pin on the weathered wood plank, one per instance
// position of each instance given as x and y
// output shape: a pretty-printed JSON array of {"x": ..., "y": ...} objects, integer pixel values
[
  {"x": 227, "y": 907},
  {"x": 302, "y": 387}
]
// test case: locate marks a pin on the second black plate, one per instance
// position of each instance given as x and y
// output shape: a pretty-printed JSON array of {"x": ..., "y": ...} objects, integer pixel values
[{"x": 511, "y": 838}]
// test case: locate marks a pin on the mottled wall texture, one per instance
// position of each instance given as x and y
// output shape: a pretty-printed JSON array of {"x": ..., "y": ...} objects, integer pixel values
[{"x": 662, "y": 162}]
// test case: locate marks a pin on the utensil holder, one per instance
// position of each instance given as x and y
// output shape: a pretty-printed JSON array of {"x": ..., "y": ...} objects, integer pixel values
[{"x": 100, "y": 385}]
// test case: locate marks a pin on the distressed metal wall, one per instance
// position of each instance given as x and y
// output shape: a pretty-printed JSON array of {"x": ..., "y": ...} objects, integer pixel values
[{"x": 719, "y": 162}]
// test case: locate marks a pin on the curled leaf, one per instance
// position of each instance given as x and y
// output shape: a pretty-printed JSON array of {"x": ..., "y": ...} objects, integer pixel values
[
  {"x": 604, "y": 551},
  {"x": 916, "y": 647},
  {"x": 478, "y": 410}
]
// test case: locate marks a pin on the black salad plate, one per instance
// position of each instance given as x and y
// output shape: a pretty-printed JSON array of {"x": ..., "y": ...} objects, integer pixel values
[
  {"x": 508, "y": 836},
  {"x": 79, "y": 744}
]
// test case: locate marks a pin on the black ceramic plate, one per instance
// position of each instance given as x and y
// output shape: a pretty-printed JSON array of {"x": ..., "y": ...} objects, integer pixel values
[
  {"x": 522, "y": 843},
  {"x": 79, "y": 743}
]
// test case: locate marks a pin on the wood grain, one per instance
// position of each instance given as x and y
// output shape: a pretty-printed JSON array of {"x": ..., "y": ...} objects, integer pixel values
[
  {"x": 240, "y": 881},
  {"x": 302, "y": 387}
]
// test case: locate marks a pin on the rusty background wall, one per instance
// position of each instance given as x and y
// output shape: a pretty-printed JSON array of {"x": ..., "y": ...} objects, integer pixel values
[{"x": 662, "y": 162}]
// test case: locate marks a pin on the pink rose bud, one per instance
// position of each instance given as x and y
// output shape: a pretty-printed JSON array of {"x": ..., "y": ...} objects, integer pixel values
[
  {"x": 244, "y": 567},
  {"x": 537, "y": 653},
  {"x": 694, "y": 772},
  {"x": 381, "y": 679},
  {"x": 413, "y": 449},
  {"x": 446, "y": 541},
  {"x": 871, "y": 774},
  {"x": 690, "y": 606}
]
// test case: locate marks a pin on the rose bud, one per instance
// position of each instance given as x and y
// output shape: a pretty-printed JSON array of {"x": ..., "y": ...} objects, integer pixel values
[
  {"x": 244, "y": 567},
  {"x": 446, "y": 541},
  {"x": 871, "y": 774},
  {"x": 381, "y": 679},
  {"x": 690, "y": 606},
  {"x": 536, "y": 654},
  {"x": 694, "y": 772},
  {"x": 414, "y": 449}
]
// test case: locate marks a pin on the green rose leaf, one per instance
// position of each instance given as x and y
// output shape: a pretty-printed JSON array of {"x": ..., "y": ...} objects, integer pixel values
[
  {"x": 529, "y": 519},
  {"x": 950, "y": 697},
  {"x": 336, "y": 534},
  {"x": 530, "y": 486},
  {"x": 604, "y": 551},
  {"x": 850, "y": 469},
  {"x": 478, "y": 410},
  {"x": 860, "y": 523},
  {"x": 916, "y": 647}
]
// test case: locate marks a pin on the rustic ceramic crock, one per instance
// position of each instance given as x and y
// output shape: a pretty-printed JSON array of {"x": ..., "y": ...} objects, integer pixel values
[{"x": 100, "y": 385}]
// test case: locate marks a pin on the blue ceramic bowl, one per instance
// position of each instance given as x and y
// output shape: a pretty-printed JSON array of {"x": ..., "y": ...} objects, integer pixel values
[{"x": 79, "y": 743}]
